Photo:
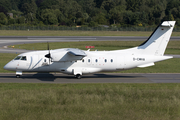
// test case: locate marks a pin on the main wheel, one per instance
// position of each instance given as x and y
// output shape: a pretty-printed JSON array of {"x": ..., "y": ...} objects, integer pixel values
[
  {"x": 17, "y": 76},
  {"x": 78, "y": 76}
]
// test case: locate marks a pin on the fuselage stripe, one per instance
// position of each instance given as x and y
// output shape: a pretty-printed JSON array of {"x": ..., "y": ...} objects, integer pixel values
[{"x": 37, "y": 63}]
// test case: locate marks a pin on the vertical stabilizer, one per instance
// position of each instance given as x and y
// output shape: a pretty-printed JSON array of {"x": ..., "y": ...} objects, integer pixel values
[{"x": 157, "y": 42}]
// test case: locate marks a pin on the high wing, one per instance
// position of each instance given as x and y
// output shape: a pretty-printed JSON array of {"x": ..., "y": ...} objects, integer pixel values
[
  {"x": 68, "y": 54},
  {"x": 76, "y": 52}
]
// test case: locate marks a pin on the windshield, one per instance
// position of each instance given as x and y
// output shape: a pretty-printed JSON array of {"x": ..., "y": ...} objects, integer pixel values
[
  {"x": 23, "y": 58},
  {"x": 17, "y": 58},
  {"x": 20, "y": 58}
]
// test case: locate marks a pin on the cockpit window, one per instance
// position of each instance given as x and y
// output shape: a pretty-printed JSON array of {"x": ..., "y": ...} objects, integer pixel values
[
  {"x": 20, "y": 58},
  {"x": 17, "y": 58},
  {"x": 23, "y": 58}
]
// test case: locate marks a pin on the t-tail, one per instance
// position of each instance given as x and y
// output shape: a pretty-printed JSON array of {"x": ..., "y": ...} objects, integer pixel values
[
  {"x": 156, "y": 44},
  {"x": 152, "y": 50}
]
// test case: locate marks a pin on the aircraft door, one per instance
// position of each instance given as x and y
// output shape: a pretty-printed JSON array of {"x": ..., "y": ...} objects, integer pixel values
[{"x": 120, "y": 63}]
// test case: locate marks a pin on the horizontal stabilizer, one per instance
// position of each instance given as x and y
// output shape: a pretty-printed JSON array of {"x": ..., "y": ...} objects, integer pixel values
[
  {"x": 146, "y": 65},
  {"x": 166, "y": 24}
]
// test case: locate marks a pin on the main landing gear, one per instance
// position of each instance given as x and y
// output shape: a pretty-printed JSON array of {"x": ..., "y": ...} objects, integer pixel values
[
  {"x": 78, "y": 76},
  {"x": 18, "y": 76}
]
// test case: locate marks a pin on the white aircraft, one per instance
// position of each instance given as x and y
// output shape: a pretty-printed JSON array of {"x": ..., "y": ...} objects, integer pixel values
[{"x": 78, "y": 62}]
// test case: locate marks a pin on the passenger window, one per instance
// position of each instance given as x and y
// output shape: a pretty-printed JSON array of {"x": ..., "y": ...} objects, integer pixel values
[
  {"x": 23, "y": 58},
  {"x": 96, "y": 60},
  {"x": 17, "y": 58},
  {"x": 111, "y": 60},
  {"x": 83, "y": 60},
  {"x": 44, "y": 60},
  {"x": 105, "y": 60},
  {"x": 89, "y": 60}
]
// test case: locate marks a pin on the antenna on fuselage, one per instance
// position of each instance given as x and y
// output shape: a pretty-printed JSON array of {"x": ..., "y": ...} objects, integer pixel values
[{"x": 49, "y": 54}]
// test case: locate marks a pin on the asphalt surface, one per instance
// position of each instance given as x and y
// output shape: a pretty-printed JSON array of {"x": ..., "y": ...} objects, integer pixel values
[
  {"x": 130, "y": 38},
  {"x": 94, "y": 78},
  {"x": 12, "y": 40}
]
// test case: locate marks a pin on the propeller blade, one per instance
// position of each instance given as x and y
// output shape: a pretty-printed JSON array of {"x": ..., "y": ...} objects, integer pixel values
[
  {"x": 49, "y": 61},
  {"x": 49, "y": 54}
]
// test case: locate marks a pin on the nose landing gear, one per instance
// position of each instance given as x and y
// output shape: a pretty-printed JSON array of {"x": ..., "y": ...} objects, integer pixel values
[{"x": 18, "y": 74}]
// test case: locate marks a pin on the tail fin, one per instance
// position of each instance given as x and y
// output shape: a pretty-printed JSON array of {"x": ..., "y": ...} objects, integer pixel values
[{"x": 156, "y": 44}]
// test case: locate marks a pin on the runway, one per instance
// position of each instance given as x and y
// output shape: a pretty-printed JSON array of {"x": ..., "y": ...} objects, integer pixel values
[
  {"x": 94, "y": 78},
  {"x": 13, "y": 40}
]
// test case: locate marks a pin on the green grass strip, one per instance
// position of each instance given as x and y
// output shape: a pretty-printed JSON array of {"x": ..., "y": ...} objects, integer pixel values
[
  {"x": 76, "y": 33},
  {"x": 172, "y": 48},
  {"x": 89, "y": 101}
]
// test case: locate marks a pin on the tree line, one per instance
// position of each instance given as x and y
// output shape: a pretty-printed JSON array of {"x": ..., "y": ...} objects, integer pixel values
[{"x": 89, "y": 12}]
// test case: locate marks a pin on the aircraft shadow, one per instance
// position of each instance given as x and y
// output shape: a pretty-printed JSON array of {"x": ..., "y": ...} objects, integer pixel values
[
  {"x": 63, "y": 77},
  {"x": 53, "y": 77}
]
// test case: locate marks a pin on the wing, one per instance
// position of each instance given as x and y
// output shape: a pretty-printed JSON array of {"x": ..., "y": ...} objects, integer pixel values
[
  {"x": 69, "y": 54},
  {"x": 76, "y": 52}
]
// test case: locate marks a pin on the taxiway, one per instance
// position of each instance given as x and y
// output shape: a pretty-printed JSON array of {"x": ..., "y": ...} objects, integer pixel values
[{"x": 94, "y": 78}]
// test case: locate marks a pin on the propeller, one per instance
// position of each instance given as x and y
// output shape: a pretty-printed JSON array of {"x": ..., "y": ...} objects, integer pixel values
[{"x": 49, "y": 54}]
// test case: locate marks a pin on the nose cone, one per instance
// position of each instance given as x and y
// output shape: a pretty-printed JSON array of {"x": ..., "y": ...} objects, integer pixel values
[{"x": 9, "y": 66}]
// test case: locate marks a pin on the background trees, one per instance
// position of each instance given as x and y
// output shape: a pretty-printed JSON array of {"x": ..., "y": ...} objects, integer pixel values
[{"x": 89, "y": 12}]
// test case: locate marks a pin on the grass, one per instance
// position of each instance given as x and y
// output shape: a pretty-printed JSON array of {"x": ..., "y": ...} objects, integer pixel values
[
  {"x": 172, "y": 48},
  {"x": 76, "y": 33},
  {"x": 89, "y": 101}
]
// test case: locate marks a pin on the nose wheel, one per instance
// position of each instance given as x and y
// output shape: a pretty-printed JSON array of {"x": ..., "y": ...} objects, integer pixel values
[
  {"x": 18, "y": 74},
  {"x": 78, "y": 76}
]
